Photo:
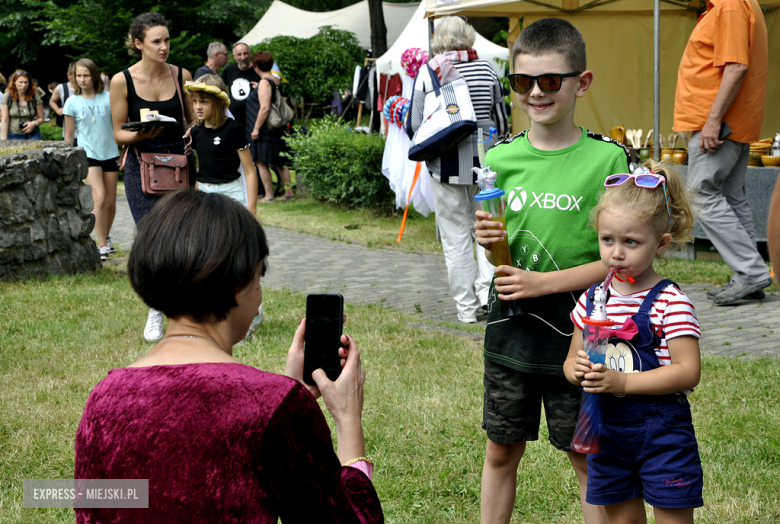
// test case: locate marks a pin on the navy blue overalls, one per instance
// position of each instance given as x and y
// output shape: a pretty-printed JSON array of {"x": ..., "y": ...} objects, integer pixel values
[{"x": 648, "y": 445}]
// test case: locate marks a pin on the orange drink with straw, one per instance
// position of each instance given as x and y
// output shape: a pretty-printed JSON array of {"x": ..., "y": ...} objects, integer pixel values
[{"x": 500, "y": 250}]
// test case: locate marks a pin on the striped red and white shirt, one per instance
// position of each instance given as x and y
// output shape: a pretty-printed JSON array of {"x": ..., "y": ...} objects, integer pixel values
[{"x": 672, "y": 310}]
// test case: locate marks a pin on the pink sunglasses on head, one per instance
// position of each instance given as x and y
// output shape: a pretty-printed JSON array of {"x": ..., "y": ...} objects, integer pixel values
[{"x": 646, "y": 180}]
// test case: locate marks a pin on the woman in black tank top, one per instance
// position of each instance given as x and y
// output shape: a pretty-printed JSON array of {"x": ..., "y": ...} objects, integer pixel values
[{"x": 148, "y": 85}]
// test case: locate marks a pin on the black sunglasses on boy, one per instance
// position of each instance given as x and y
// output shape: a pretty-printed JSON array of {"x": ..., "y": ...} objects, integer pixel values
[{"x": 548, "y": 82}]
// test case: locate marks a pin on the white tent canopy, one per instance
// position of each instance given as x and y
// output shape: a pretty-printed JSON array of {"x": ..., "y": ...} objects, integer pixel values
[
  {"x": 416, "y": 35},
  {"x": 284, "y": 19}
]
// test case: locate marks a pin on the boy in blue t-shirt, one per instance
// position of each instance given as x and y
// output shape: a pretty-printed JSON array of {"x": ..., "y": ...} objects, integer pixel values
[{"x": 552, "y": 175}]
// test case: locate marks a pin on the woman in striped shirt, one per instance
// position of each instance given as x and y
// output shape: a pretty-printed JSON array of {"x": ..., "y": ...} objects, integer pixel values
[{"x": 454, "y": 183}]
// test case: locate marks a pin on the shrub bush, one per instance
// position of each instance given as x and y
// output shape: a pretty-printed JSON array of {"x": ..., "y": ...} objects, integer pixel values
[
  {"x": 340, "y": 166},
  {"x": 315, "y": 67},
  {"x": 50, "y": 132}
]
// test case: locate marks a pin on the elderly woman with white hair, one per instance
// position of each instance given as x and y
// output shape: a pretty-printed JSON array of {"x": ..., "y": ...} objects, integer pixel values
[{"x": 453, "y": 183}]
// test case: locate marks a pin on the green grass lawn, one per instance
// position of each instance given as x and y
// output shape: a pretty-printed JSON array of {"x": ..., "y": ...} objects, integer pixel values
[
  {"x": 364, "y": 226},
  {"x": 18, "y": 148},
  {"x": 60, "y": 336}
]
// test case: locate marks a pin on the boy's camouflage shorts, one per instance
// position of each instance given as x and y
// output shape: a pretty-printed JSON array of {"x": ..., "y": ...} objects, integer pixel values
[{"x": 512, "y": 406}]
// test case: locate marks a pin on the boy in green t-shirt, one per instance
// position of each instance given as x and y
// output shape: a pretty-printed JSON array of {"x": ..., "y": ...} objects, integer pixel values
[{"x": 552, "y": 174}]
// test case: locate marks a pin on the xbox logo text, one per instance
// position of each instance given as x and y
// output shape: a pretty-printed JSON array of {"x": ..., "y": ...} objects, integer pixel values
[{"x": 563, "y": 202}]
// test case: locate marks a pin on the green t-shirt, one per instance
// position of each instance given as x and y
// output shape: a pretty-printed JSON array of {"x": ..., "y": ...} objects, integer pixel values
[{"x": 549, "y": 198}]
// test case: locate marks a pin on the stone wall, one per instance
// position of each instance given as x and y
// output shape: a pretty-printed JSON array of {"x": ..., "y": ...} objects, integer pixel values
[{"x": 45, "y": 213}]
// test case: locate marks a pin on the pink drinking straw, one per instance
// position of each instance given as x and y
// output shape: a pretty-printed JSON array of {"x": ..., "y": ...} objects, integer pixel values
[{"x": 610, "y": 276}]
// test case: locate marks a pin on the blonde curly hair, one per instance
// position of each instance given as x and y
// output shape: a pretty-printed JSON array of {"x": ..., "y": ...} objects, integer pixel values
[{"x": 649, "y": 205}]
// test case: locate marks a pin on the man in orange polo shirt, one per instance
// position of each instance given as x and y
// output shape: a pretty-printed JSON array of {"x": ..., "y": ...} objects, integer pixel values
[{"x": 722, "y": 79}]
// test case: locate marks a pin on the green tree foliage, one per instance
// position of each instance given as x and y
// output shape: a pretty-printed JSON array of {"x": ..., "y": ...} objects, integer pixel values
[
  {"x": 18, "y": 36},
  {"x": 98, "y": 28},
  {"x": 341, "y": 167},
  {"x": 316, "y": 66},
  {"x": 29, "y": 29}
]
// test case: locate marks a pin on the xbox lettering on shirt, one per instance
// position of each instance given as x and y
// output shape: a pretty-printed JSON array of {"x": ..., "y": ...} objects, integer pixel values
[{"x": 563, "y": 202}]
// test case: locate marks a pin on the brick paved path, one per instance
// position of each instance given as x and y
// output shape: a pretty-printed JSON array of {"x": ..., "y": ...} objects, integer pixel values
[{"x": 417, "y": 283}]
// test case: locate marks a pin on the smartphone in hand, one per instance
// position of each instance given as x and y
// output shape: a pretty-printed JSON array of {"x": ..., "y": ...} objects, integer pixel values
[
  {"x": 725, "y": 131},
  {"x": 324, "y": 322}
]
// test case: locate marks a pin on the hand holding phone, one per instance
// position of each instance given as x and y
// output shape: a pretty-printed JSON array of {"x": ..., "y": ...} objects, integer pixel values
[
  {"x": 712, "y": 135},
  {"x": 725, "y": 131},
  {"x": 322, "y": 339}
]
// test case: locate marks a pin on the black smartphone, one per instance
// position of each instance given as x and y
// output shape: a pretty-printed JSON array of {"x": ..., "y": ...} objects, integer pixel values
[
  {"x": 324, "y": 322},
  {"x": 725, "y": 131}
]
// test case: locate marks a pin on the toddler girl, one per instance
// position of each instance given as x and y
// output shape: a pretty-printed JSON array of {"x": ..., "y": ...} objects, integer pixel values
[
  {"x": 223, "y": 150},
  {"x": 648, "y": 446}
]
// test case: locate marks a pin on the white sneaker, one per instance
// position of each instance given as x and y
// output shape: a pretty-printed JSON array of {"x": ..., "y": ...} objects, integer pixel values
[
  {"x": 467, "y": 319},
  {"x": 111, "y": 248},
  {"x": 154, "y": 326},
  {"x": 103, "y": 251}
]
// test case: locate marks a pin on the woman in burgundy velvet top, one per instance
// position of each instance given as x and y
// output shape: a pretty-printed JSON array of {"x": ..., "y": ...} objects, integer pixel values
[{"x": 220, "y": 441}]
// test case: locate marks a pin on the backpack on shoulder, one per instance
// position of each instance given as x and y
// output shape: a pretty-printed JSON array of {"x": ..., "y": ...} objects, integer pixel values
[
  {"x": 33, "y": 104},
  {"x": 60, "y": 119}
]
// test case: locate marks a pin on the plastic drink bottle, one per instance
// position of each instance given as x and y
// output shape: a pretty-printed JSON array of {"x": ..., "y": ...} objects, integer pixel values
[
  {"x": 596, "y": 333},
  {"x": 586, "y": 435},
  {"x": 494, "y": 202}
]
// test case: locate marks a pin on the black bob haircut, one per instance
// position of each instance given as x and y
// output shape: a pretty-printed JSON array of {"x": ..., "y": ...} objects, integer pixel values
[{"x": 194, "y": 252}]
